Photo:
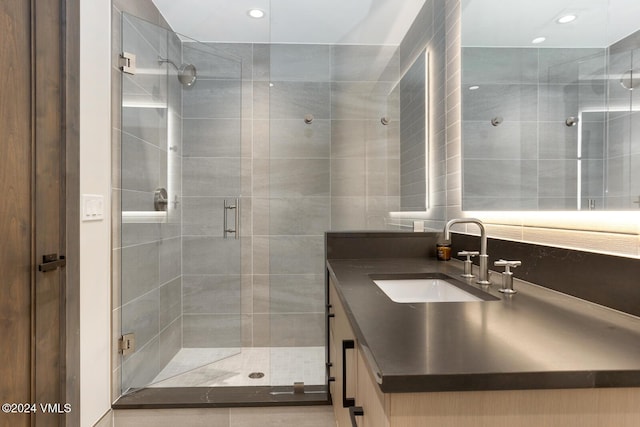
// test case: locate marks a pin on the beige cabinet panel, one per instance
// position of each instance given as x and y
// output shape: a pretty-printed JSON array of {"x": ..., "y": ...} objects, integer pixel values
[{"x": 341, "y": 336}]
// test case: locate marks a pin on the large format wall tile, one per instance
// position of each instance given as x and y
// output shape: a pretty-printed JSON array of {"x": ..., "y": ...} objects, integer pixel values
[
  {"x": 499, "y": 65},
  {"x": 142, "y": 169},
  {"x": 485, "y": 178},
  {"x": 142, "y": 317},
  {"x": 347, "y": 63},
  {"x": 296, "y": 62},
  {"x": 211, "y": 294},
  {"x": 296, "y": 216},
  {"x": 348, "y": 177},
  {"x": 146, "y": 124},
  {"x": 299, "y": 177},
  {"x": 211, "y": 330},
  {"x": 170, "y": 302},
  {"x": 170, "y": 259},
  {"x": 512, "y": 102},
  {"x": 139, "y": 369},
  {"x": 211, "y": 177},
  {"x": 299, "y": 293},
  {"x": 510, "y": 140},
  {"x": 296, "y": 254},
  {"x": 170, "y": 341},
  {"x": 211, "y": 62},
  {"x": 359, "y": 100},
  {"x": 139, "y": 270},
  {"x": 211, "y": 137},
  {"x": 210, "y": 255},
  {"x": 293, "y": 138},
  {"x": 297, "y": 330},
  {"x": 204, "y": 216},
  {"x": 213, "y": 99},
  {"x": 294, "y": 100}
]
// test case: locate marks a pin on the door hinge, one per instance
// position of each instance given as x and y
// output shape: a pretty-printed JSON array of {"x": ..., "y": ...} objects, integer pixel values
[
  {"x": 127, "y": 344},
  {"x": 51, "y": 262},
  {"x": 128, "y": 62}
]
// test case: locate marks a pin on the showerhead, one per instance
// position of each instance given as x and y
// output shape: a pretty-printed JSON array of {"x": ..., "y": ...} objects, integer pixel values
[{"x": 187, "y": 73}]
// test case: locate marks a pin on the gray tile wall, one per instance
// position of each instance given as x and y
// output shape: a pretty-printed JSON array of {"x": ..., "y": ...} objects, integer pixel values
[
  {"x": 528, "y": 162},
  {"x": 365, "y": 153},
  {"x": 347, "y": 177},
  {"x": 297, "y": 181}
]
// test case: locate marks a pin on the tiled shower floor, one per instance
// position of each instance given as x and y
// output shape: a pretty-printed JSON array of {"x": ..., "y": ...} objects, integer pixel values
[{"x": 190, "y": 367}]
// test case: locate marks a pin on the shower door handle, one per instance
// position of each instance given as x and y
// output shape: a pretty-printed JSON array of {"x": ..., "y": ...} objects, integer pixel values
[{"x": 236, "y": 208}]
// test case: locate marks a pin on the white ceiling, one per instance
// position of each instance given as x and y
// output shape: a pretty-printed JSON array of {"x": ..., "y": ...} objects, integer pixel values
[
  {"x": 600, "y": 23},
  {"x": 293, "y": 21}
]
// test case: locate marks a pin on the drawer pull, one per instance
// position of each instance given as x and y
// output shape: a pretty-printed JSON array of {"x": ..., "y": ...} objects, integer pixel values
[
  {"x": 355, "y": 411},
  {"x": 346, "y": 401}
]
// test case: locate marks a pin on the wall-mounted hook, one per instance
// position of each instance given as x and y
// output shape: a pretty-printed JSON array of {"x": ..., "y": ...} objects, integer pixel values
[
  {"x": 497, "y": 121},
  {"x": 308, "y": 118},
  {"x": 385, "y": 120}
]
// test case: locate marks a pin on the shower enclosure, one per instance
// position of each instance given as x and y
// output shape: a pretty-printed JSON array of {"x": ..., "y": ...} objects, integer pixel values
[
  {"x": 236, "y": 158},
  {"x": 216, "y": 290},
  {"x": 180, "y": 200}
]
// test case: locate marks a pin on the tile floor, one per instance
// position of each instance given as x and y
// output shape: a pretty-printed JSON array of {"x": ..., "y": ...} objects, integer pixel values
[
  {"x": 301, "y": 416},
  {"x": 192, "y": 367}
]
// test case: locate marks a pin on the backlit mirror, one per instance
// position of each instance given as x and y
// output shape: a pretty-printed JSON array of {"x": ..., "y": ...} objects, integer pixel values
[
  {"x": 549, "y": 120},
  {"x": 414, "y": 135}
]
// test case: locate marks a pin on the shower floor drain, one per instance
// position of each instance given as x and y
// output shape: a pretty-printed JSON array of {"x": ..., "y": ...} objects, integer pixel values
[{"x": 256, "y": 375}]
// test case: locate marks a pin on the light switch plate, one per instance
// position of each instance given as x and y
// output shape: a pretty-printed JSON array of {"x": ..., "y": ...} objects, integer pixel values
[{"x": 92, "y": 207}]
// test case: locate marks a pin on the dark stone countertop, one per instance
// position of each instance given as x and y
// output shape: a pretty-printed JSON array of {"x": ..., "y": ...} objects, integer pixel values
[{"x": 535, "y": 339}]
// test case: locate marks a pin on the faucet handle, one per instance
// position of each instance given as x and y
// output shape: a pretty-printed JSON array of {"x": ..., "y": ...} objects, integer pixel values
[
  {"x": 507, "y": 275},
  {"x": 467, "y": 264},
  {"x": 468, "y": 254},
  {"x": 508, "y": 265}
]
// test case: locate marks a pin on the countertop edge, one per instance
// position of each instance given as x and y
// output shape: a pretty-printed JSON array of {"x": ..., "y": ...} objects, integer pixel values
[{"x": 495, "y": 381}]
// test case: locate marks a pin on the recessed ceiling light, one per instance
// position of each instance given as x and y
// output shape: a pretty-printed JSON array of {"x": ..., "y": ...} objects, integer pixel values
[
  {"x": 474, "y": 87},
  {"x": 566, "y": 19},
  {"x": 256, "y": 13},
  {"x": 538, "y": 40}
]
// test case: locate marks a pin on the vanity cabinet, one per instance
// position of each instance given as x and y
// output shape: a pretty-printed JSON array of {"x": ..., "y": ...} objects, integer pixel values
[
  {"x": 355, "y": 387},
  {"x": 342, "y": 361}
]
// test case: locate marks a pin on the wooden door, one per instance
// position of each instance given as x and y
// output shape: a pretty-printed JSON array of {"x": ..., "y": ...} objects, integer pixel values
[
  {"x": 15, "y": 209},
  {"x": 33, "y": 129}
]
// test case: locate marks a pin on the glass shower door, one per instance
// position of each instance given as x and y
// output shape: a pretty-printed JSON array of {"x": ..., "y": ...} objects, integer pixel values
[{"x": 179, "y": 183}]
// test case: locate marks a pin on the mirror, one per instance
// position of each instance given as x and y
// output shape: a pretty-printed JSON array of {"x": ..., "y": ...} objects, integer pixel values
[
  {"x": 412, "y": 90},
  {"x": 549, "y": 120}
]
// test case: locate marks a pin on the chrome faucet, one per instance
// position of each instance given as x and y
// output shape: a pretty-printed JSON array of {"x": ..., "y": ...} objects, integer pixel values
[{"x": 483, "y": 274}]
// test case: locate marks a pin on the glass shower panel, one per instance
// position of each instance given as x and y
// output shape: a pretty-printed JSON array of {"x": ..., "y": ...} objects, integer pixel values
[
  {"x": 297, "y": 202},
  {"x": 180, "y": 198},
  {"x": 591, "y": 128},
  {"x": 619, "y": 154}
]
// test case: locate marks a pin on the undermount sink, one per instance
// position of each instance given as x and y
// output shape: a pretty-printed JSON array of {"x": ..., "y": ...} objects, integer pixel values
[{"x": 435, "y": 287}]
